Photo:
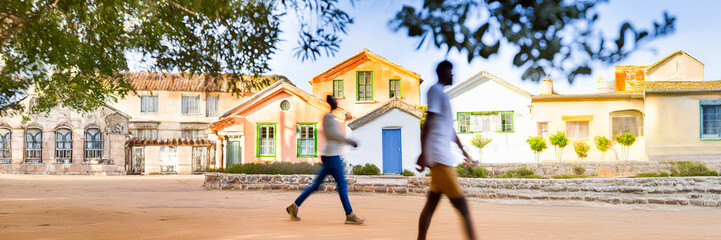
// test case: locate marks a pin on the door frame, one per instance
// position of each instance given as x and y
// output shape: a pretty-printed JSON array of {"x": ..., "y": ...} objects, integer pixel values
[
  {"x": 133, "y": 159},
  {"x": 235, "y": 138},
  {"x": 400, "y": 140}
]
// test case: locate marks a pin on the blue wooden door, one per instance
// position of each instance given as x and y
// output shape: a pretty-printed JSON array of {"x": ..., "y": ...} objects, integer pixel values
[{"x": 392, "y": 151}]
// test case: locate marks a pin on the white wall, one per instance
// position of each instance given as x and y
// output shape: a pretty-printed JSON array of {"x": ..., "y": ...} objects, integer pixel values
[
  {"x": 370, "y": 140},
  {"x": 487, "y": 95}
]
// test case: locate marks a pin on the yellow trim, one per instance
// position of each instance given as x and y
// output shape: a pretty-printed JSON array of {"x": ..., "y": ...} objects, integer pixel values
[{"x": 577, "y": 118}]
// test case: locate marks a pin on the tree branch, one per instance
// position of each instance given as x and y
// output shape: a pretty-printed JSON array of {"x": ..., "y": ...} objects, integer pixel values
[{"x": 179, "y": 6}]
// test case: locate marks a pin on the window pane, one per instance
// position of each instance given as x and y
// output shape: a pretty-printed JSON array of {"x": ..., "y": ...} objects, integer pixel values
[{"x": 211, "y": 107}]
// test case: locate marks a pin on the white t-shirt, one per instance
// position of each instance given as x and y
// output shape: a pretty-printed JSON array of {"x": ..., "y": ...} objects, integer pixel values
[{"x": 439, "y": 138}]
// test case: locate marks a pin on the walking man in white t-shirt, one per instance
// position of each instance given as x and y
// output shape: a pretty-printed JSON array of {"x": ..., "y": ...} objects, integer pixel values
[{"x": 436, "y": 137}]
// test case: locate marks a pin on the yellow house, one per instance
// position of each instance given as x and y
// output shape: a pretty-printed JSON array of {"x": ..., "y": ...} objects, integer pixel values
[
  {"x": 675, "y": 114},
  {"x": 365, "y": 82},
  {"x": 584, "y": 116}
]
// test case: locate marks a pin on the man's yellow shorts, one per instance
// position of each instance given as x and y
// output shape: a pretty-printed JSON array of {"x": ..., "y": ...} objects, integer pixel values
[{"x": 444, "y": 179}]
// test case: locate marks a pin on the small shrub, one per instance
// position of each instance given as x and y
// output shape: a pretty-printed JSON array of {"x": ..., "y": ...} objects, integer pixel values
[
  {"x": 688, "y": 169},
  {"x": 581, "y": 149},
  {"x": 566, "y": 176},
  {"x": 479, "y": 141},
  {"x": 578, "y": 170},
  {"x": 559, "y": 141},
  {"x": 471, "y": 172},
  {"x": 602, "y": 144},
  {"x": 368, "y": 169},
  {"x": 284, "y": 168},
  {"x": 521, "y": 172},
  {"x": 407, "y": 173},
  {"x": 626, "y": 139},
  {"x": 537, "y": 144},
  {"x": 652, "y": 174},
  {"x": 347, "y": 167}
]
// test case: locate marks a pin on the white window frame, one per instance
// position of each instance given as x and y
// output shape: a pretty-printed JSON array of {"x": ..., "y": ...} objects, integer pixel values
[
  {"x": 5, "y": 145},
  {"x": 93, "y": 144},
  {"x": 64, "y": 146},
  {"x": 149, "y": 104},
  {"x": 577, "y": 127},
  {"x": 211, "y": 107},
  {"x": 190, "y": 105}
]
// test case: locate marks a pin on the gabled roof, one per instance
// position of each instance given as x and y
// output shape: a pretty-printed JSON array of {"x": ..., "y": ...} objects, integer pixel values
[
  {"x": 161, "y": 81},
  {"x": 394, "y": 103},
  {"x": 118, "y": 111},
  {"x": 283, "y": 85},
  {"x": 456, "y": 88},
  {"x": 653, "y": 66},
  {"x": 358, "y": 59}
]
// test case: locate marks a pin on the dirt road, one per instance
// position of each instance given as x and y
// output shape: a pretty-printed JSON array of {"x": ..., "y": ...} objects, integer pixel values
[{"x": 176, "y": 207}]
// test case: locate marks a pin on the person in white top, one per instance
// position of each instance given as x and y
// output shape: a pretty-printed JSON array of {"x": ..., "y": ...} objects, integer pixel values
[
  {"x": 332, "y": 165},
  {"x": 436, "y": 137}
]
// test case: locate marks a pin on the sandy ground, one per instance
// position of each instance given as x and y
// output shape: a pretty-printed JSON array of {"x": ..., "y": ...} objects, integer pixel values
[{"x": 177, "y": 207}]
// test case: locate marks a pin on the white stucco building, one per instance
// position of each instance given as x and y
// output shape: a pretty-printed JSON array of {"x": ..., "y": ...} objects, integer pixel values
[
  {"x": 485, "y": 104},
  {"x": 388, "y": 137}
]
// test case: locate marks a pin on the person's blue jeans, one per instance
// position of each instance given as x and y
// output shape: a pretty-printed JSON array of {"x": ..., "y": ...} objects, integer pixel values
[{"x": 333, "y": 166}]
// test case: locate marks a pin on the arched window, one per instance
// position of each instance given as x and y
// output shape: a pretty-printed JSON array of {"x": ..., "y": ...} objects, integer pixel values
[
  {"x": 626, "y": 121},
  {"x": 93, "y": 143},
  {"x": 63, "y": 145},
  {"x": 5, "y": 141},
  {"x": 33, "y": 145}
]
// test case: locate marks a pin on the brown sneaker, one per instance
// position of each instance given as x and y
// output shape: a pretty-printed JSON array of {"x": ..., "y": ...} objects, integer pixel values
[
  {"x": 353, "y": 219},
  {"x": 293, "y": 212}
]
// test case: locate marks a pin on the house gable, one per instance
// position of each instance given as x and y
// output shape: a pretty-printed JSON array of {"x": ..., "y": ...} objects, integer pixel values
[
  {"x": 678, "y": 66},
  {"x": 356, "y": 60},
  {"x": 479, "y": 79}
]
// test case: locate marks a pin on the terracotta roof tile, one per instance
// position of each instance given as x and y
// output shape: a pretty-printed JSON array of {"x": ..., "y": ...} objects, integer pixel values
[
  {"x": 160, "y": 81},
  {"x": 676, "y": 85}
]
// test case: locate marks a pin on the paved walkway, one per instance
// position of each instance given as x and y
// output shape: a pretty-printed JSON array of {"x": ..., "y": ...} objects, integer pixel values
[{"x": 176, "y": 207}]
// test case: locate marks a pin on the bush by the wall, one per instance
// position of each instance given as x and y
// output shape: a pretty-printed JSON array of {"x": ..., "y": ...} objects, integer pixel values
[
  {"x": 471, "y": 172},
  {"x": 368, "y": 169},
  {"x": 652, "y": 174},
  {"x": 567, "y": 176},
  {"x": 284, "y": 168},
  {"x": 688, "y": 169},
  {"x": 578, "y": 170},
  {"x": 407, "y": 173},
  {"x": 521, "y": 172}
]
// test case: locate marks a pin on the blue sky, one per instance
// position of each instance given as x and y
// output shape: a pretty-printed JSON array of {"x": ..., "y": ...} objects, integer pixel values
[{"x": 698, "y": 32}]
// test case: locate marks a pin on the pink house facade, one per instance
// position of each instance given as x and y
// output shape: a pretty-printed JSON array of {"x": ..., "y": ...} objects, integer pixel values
[{"x": 280, "y": 123}]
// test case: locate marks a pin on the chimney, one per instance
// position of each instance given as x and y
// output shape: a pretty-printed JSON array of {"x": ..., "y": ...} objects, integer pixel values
[
  {"x": 547, "y": 86},
  {"x": 604, "y": 86},
  {"x": 620, "y": 78}
]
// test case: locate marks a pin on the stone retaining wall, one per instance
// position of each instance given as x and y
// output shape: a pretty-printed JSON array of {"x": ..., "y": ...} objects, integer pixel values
[
  {"x": 696, "y": 191},
  {"x": 63, "y": 169},
  {"x": 602, "y": 169}
]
